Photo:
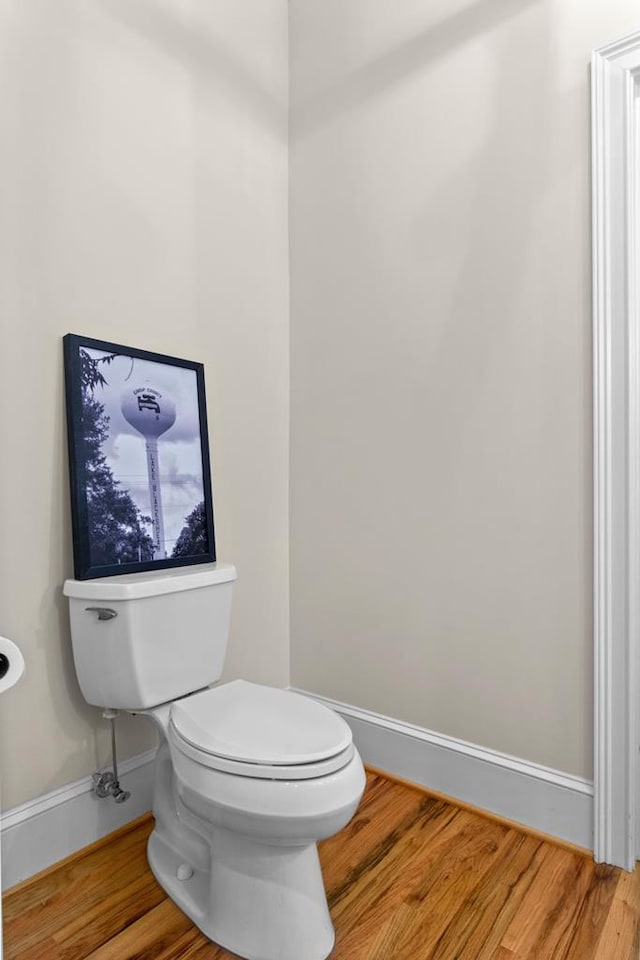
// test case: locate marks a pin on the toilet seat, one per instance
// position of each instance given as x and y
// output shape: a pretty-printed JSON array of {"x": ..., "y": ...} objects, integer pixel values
[
  {"x": 259, "y": 771},
  {"x": 251, "y": 730}
]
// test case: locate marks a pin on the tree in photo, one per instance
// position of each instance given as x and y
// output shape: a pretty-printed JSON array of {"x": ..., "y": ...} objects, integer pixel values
[
  {"x": 193, "y": 537},
  {"x": 117, "y": 532}
]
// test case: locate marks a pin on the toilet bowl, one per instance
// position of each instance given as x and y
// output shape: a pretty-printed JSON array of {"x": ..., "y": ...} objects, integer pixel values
[{"x": 248, "y": 778}]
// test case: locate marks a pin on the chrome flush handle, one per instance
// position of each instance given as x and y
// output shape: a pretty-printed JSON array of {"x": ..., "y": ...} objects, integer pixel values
[{"x": 104, "y": 613}]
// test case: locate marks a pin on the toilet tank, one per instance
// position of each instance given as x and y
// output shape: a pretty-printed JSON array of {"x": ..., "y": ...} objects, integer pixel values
[{"x": 146, "y": 638}]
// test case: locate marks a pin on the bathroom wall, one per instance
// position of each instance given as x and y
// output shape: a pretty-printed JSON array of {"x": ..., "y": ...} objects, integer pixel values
[
  {"x": 143, "y": 179},
  {"x": 441, "y": 424}
]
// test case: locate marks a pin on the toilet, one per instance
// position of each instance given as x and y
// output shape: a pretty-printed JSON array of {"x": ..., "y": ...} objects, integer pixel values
[{"x": 248, "y": 778}]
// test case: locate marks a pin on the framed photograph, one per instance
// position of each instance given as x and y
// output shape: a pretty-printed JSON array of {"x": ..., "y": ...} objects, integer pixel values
[{"x": 138, "y": 459}]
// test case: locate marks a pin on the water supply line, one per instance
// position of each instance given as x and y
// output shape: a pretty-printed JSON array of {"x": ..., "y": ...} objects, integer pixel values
[{"x": 107, "y": 784}]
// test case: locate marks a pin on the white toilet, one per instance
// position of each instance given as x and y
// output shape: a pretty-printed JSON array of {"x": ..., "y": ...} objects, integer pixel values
[{"x": 248, "y": 777}]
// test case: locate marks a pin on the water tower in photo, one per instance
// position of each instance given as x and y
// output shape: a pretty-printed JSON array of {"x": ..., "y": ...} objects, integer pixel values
[{"x": 151, "y": 413}]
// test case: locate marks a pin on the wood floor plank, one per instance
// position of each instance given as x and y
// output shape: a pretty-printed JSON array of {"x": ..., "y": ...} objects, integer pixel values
[
  {"x": 412, "y": 877},
  {"x": 191, "y": 945},
  {"x": 475, "y": 930},
  {"x": 619, "y": 939},
  {"x": 77, "y": 939},
  {"x": 372, "y": 887},
  {"x": 85, "y": 895},
  {"x": 428, "y": 852},
  {"x": 620, "y": 933},
  {"x": 207, "y": 951},
  {"x": 596, "y": 906},
  {"x": 153, "y": 933},
  {"x": 552, "y": 903},
  {"x": 451, "y": 880},
  {"x": 384, "y": 944}
]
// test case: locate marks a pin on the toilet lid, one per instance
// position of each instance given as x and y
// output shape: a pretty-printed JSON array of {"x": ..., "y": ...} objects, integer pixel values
[{"x": 250, "y": 723}]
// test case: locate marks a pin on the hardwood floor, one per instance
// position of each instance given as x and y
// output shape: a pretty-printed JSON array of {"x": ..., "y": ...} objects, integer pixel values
[{"x": 411, "y": 878}]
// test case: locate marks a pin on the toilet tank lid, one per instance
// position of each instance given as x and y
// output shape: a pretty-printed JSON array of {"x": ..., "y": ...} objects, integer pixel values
[{"x": 134, "y": 586}]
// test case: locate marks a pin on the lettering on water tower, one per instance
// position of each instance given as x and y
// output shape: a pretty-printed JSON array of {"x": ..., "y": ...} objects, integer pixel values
[{"x": 147, "y": 401}]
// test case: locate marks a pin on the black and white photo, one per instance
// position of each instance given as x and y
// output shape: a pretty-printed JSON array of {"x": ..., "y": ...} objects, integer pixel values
[{"x": 138, "y": 458}]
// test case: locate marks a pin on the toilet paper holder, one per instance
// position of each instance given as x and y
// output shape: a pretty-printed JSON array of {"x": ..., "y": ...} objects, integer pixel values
[{"x": 11, "y": 664}]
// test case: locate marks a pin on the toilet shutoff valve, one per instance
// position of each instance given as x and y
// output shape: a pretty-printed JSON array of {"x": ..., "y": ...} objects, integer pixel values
[{"x": 106, "y": 785}]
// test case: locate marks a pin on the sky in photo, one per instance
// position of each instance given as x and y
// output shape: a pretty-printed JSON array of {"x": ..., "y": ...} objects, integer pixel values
[{"x": 179, "y": 451}]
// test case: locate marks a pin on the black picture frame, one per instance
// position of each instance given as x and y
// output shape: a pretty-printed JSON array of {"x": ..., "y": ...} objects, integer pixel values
[{"x": 139, "y": 466}]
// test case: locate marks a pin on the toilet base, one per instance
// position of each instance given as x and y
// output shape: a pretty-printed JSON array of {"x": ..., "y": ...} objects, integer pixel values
[{"x": 260, "y": 901}]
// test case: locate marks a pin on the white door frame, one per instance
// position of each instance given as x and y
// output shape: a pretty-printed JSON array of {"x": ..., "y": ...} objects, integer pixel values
[{"x": 616, "y": 374}]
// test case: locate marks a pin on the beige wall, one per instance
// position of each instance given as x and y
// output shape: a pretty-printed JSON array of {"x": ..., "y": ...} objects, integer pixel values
[
  {"x": 143, "y": 172},
  {"x": 441, "y": 375}
]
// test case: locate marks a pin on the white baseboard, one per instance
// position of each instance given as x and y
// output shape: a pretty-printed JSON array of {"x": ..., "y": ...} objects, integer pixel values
[
  {"x": 53, "y": 826},
  {"x": 555, "y": 803}
]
